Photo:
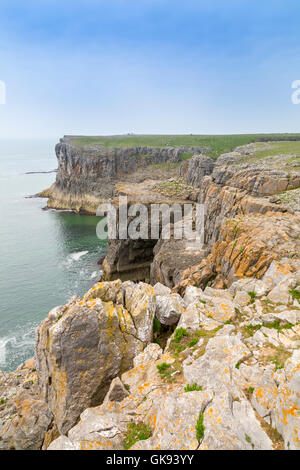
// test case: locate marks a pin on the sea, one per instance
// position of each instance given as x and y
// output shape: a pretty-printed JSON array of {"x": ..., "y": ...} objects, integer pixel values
[{"x": 46, "y": 256}]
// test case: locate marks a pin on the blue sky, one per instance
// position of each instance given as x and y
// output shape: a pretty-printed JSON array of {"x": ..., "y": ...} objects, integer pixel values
[{"x": 114, "y": 66}]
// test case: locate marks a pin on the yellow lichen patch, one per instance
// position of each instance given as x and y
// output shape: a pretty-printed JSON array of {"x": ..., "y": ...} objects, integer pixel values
[{"x": 293, "y": 411}]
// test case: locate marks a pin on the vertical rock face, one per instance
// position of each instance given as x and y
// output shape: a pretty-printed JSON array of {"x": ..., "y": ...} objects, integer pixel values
[
  {"x": 228, "y": 377},
  {"x": 87, "y": 174},
  {"x": 24, "y": 418},
  {"x": 235, "y": 187},
  {"x": 82, "y": 346},
  {"x": 246, "y": 247},
  {"x": 196, "y": 168}
]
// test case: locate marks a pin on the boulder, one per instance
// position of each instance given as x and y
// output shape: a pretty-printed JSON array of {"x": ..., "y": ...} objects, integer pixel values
[
  {"x": 257, "y": 286},
  {"x": 82, "y": 346},
  {"x": 281, "y": 292},
  {"x": 276, "y": 398},
  {"x": 160, "y": 289},
  {"x": 24, "y": 417},
  {"x": 169, "y": 308},
  {"x": 27, "y": 430}
]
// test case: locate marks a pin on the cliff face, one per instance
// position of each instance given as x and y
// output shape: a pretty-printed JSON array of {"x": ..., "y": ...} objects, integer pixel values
[
  {"x": 87, "y": 175},
  {"x": 236, "y": 185},
  {"x": 228, "y": 377}
]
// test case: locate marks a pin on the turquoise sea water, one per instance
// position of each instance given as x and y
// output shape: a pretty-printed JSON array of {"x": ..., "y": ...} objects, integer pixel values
[{"x": 45, "y": 256}]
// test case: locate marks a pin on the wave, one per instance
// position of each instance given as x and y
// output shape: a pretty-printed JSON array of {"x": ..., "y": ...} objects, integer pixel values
[
  {"x": 10, "y": 343},
  {"x": 95, "y": 274},
  {"x": 73, "y": 257},
  {"x": 78, "y": 255}
]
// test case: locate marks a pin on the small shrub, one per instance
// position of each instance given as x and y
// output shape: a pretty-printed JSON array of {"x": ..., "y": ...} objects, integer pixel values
[
  {"x": 193, "y": 388},
  {"x": 156, "y": 325},
  {"x": 295, "y": 294},
  {"x": 252, "y": 296},
  {"x": 179, "y": 334},
  {"x": 193, "y": 342},
  {"x": 162, "y": 367}
]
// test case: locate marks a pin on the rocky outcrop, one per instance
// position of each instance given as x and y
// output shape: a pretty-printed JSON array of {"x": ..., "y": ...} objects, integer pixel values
[
  {"x": 131, "y": 258},
  {"x": 227, "y": 379},
  {"x": 223, "y": 370},
  {"x": 87, "y": 174},
  {"x": 82, "y": 346},
  {"x": 236, "y": 184},
  {"x": 246, "y": 247},
  {"x": 24, "y": 418}
]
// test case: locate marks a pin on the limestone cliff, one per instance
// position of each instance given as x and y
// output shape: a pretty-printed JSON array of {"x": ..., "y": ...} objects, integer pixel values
[
  {"x": 236, "y": 184},
  {"x": 87, "y": 174},
  {"x": 208, "y": 356},
  {"x": 228, "y": 377}
]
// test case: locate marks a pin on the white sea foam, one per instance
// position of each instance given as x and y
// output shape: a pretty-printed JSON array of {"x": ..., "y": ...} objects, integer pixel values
[
  {"x": 78, "y": 255},
  {"x": 74, "y": 257},
  {"x": 23, "y": 342},
  {"x": 95, "y": 274},
  {"x": 3, "y": 343}
]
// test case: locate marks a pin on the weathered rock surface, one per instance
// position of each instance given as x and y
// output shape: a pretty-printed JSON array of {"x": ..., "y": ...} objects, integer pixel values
[
  {"x": 235, "y": 185},
  {"x": 227, "y": 378},
  {"x": 246, "y": 247},
  {"x": 24, "y": 418},
  {"x": 87, "y": 174},
  {"x": 169, "y": 308},
  {"x": 131, "y": 258},
  {"x": 82, "y": 346},
  {"x": 232, "y": 374}
]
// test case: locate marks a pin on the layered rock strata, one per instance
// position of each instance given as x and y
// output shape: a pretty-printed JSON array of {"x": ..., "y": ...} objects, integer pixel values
[
  {"x": 87, "y": 174},
  {"x": 228, "y": 377},
  {"x": 248, "y": 194}
]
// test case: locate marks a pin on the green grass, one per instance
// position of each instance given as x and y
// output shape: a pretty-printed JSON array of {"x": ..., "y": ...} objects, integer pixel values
[
  {"x": 276, "y": 324},
  {"x": 193, "y": 342},
  {"x": 163, "y": 367},
  {"x": 179, "y": 334},
  {"x": 278, "y": 148},
  {"x": 218, "y": 143},
  {"x": 250, "y": 390},
  {"x": 136, "y": 432},
  {"x": 279, "y": 357},
  {"x": 156, "y": 325},
  {"x": 200, "y": 428},
  {"x": 295, "y": 294},
  {"x": 252, "y": 296},
  {"x": 193, "y": 388}
]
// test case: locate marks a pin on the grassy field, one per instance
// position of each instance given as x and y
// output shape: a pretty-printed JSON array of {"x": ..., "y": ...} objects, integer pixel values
[
  {"x": 218, "y": 143},
  {"x": 280, "y": 148}
]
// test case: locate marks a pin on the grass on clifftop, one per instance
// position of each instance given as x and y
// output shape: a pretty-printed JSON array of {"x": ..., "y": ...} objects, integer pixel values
[{"x": 218, "y": 143}]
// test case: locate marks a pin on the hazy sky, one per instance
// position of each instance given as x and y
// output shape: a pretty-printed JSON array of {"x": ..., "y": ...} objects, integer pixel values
[{"x": 148, "y": 66}]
